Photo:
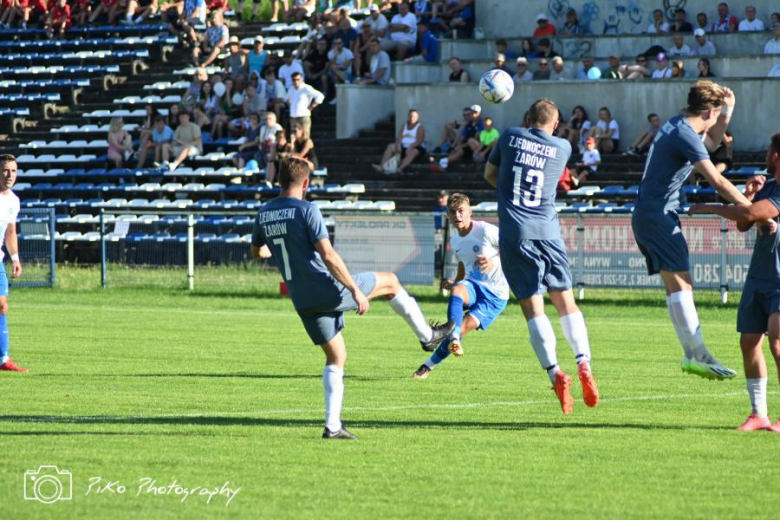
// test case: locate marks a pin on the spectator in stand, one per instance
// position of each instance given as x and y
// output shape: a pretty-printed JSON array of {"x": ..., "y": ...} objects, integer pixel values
[
  {"x": 120, "y": 144},
  {"x": 775, "y": 18},
  {"x": 186, "y": 141},
  {"x": 773, "y": 45},
  {"x": 522, "y": 74},
  {"x": 257, "y": 60},
  {"x": 703, "y": 47},
  {"x": 472, "y": 128},
  {"x": 566, "y": 182},
  {"x": 362, "y": 46},
  {"x": 299, "y": 11},
  {"x": 614, "y": 71},
  {"x": 249, "y": 148},
  {"x": 147, "y": 125},
  {"x": 409, "y": 144},
  {"x": 659, "y": 25},
  {"x": 642, "y": 143},
  {"x": 637, "y": 71},
  {"x": 440, "y": 212},
  {"x": 572, "y": 25},
  {"x": 213, "y": 42},
  {"x": 678, "y": 69},
  {"x": 347, "y": 34},
  {"x": 302, "y": 99},
  {"x": 544, "y": 49},
  {"x": 722, "y": 158},
  {"x": 173, "y": 116},
  {"x": 340, "y": 64},
  {"x": 256, "y": 6},
  {"x": 378, "y": 22},
  {"x": 558, "y": 73},
  {"x": 403, "y": 32},
  {"x": 582, "y": 70},
  {"x": 79, "y": 13},
  {"x": 379, "y": 66},
  {"x": 139, "y": 10},
  {"x": 427, "y": 43},
  {"x": 751, "y": 23},
  {"x": 316, "y": 66},
  {"x": 726, "y": 22},
  {"x": 275, "y": 93},
  {"x": 228, "y": 110},
  {"x": 679, "y": 48},
  {"x": 458, "y": 74},
  {"x": 500, "y": 63},
  {"x": 451, "y": 132},
  {"x": 235, "y": 64},
  {"x": 191, "y": 96},
  {"x": 111, "y": 8},
  {"x": 272, "y": 138},
  {"x": 662, "y": 69},
  {"x": 591, "y": 159},
  {"x": 528, "y": 49},
  {"x": 502, "y": 47},
  {"x": 327, "y": 33},
  {"x": 291, "y": 66},
  {"x": 680, "y": 24},
  {"x": 543, "y": 26},
  {"x": 704, "y": 68},
  {"x": 462, "y": 23},
  {"x": 576, "y": 129},
  {"x": 301, "y": 147},
  {"x": 543, "y": 72},
  {"x": 58, "y": 20},
  {"x": 483, "y": 144},
  {"x": 206, "y": 106},
  {"x": 423, "y": 10},
  {"x": 606, "y": 132},
  {"x": 253, "y": 103},
  {"x": 702, "y": 22},
  {"x": 161, "y": 137}
]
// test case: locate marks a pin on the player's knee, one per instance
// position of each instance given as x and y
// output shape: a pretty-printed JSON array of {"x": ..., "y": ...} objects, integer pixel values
[
  {"x": 3, "y": 308},
  {"x": 460, "y": 291}
]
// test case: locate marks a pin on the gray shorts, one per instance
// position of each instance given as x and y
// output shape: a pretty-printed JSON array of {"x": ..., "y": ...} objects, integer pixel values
[
  {"x": 756, "y": 306},
  {"x": 660, "y": 239},
  {"x": 323, "y": 326},
  {"x": 535, "y": 266}
]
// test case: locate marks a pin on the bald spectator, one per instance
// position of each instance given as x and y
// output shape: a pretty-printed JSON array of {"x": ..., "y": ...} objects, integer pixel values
[
  {"x": 523, "y": 74},
  {"x": 558, "y": 73},
  {"x": 726, "y": 22},
  {"x": 703, "y": 47},
  {"x": 679, "y": 48},
  {"x": 751, "y": 23}
]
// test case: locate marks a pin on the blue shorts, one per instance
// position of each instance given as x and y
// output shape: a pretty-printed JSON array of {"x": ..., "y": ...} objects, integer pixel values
[
  {"x": 483, "y": 304},
  {"x": 535, "y": 266},
  {"x": 661, "y": 241},
  {"x": 3, "y": 280},
  {"x": 756, "y": 306},
  {"x": 323, "y": 326}
]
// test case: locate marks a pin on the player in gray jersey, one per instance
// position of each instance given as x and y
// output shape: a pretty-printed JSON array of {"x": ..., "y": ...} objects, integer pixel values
[
  {"x": 292, "y": 232},
  {"x": 759, "y": 308},
  {"x": 682, "y": 144}
]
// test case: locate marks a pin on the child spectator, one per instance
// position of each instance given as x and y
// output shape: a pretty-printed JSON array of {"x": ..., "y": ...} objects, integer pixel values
[
  {"x": 120, "y": 144},
  {"x": 590, "y": 162},
  {"x": 162, "y": 137},
  {"x": 642, "y": 143},
  {"x": 485, "y": 142}
]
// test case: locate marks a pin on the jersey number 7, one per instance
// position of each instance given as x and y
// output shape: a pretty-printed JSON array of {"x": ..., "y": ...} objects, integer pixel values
[{"x": 528, "y": 188}]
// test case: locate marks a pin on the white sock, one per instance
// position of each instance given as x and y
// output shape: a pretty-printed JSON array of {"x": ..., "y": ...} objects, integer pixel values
[
  {"x": 543, "y": 342},
  {"x": 4, "y": 360},
  {"x": 686, "y": 323},
  {"x": 576, "y": 333},
  {"x": 333, "y": 383},
  {"x": 672, "y": 316},
  {"x": 129, "y": 17},
  {"x": 756, "y": 388},
  {"x": 406, "y": 307}
]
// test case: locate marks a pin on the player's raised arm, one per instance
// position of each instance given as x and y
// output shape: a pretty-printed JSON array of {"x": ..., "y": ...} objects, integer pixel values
[
  {"x": 339, "y": 270},
  {"x": 714, "y": 135}
]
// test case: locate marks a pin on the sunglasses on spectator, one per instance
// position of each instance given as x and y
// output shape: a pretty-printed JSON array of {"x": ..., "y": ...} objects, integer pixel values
[{"x": 542, "y": 63}]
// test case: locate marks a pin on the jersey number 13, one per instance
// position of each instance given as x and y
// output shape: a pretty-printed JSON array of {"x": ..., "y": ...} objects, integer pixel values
[{"x": 527, "y": 187}]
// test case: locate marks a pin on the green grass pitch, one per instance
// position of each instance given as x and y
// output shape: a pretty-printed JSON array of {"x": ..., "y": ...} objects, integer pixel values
[{"x": 223, "y": 386}]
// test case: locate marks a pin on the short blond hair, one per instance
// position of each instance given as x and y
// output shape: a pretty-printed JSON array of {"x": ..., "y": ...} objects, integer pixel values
[
  {"x": 457, "y": 200},
  {"x": 705, "y": 95},
  {"x": 542, "y": 112}
]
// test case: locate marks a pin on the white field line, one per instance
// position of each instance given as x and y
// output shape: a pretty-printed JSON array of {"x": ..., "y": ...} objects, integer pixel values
[{"x": 432, "y": 406}]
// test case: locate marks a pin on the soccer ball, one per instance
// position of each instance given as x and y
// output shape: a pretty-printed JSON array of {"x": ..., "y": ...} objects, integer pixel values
[{"x": 496, "y": 86}]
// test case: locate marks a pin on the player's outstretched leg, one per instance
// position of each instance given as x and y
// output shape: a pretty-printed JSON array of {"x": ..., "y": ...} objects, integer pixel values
[
  {"x": 543, "y": 342},
  {"x": 698, "y": 360},
  {"x": 459, "y": 300},
  {"x": 6, "y": 363},
  {"x": 333, "y": 384},
  {"x": 576, "y": 334},
  {"x": 404, "y": 305},
  {"x": 756, "y": 378},
  {"x": 442, "y": 352}
]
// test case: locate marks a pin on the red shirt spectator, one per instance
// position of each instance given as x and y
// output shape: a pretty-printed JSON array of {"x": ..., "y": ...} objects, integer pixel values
[
  {"x": 726, "y": 22},
  {"x": 566, "y": 182},
  {"x": 60, "y": 15},
  {"x": 543, "y": 27},
  {"x": 215, "y": 5}
]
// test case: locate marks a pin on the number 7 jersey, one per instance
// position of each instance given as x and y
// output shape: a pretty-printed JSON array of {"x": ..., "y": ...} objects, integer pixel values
[{"x": 530, "y": 162}]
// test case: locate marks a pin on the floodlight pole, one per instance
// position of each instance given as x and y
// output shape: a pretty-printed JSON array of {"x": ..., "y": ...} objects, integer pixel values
[{"x": 191, "y": 251}]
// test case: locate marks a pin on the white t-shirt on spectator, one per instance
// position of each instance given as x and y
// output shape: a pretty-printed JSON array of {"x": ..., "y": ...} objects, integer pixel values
[
  {"x": 300, "y": 98},
  {"x": 652, "y": 30},
  {"x": 268, "y": 134},
  {"x": 286, "y": 72},
  {"x": 666, "y": 72},
  {"x": 380, "y": 24},
  {"x": 755, "y": 25},
  {"x": 525, "y": 77},
  {"x": 772, "y": 47},
  {"x": 613, "y": 125},
  {"x": 682, "y": 51},
  {"x": 591, "y": 157},
  {"x": 341, "y": 59},
  {"x": 708, "y": 49},
  {"x": 410, "y": 36}
]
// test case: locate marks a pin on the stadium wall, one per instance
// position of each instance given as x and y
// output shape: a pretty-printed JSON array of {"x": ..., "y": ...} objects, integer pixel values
[
  {"x": 728, "y": 67},
  {"x": 629, "y": 103},
  {"x": 360, "y": 108},
  {"x": 734, "y": 44},
  {"x": 599, "y": 16}
]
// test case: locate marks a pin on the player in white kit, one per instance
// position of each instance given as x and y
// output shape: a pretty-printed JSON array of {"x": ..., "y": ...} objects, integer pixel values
[{"x": 9, "y": 211}]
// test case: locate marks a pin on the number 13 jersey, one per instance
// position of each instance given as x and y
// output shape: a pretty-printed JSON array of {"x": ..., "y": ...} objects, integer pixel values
[{"x": 530, "y": 162}]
